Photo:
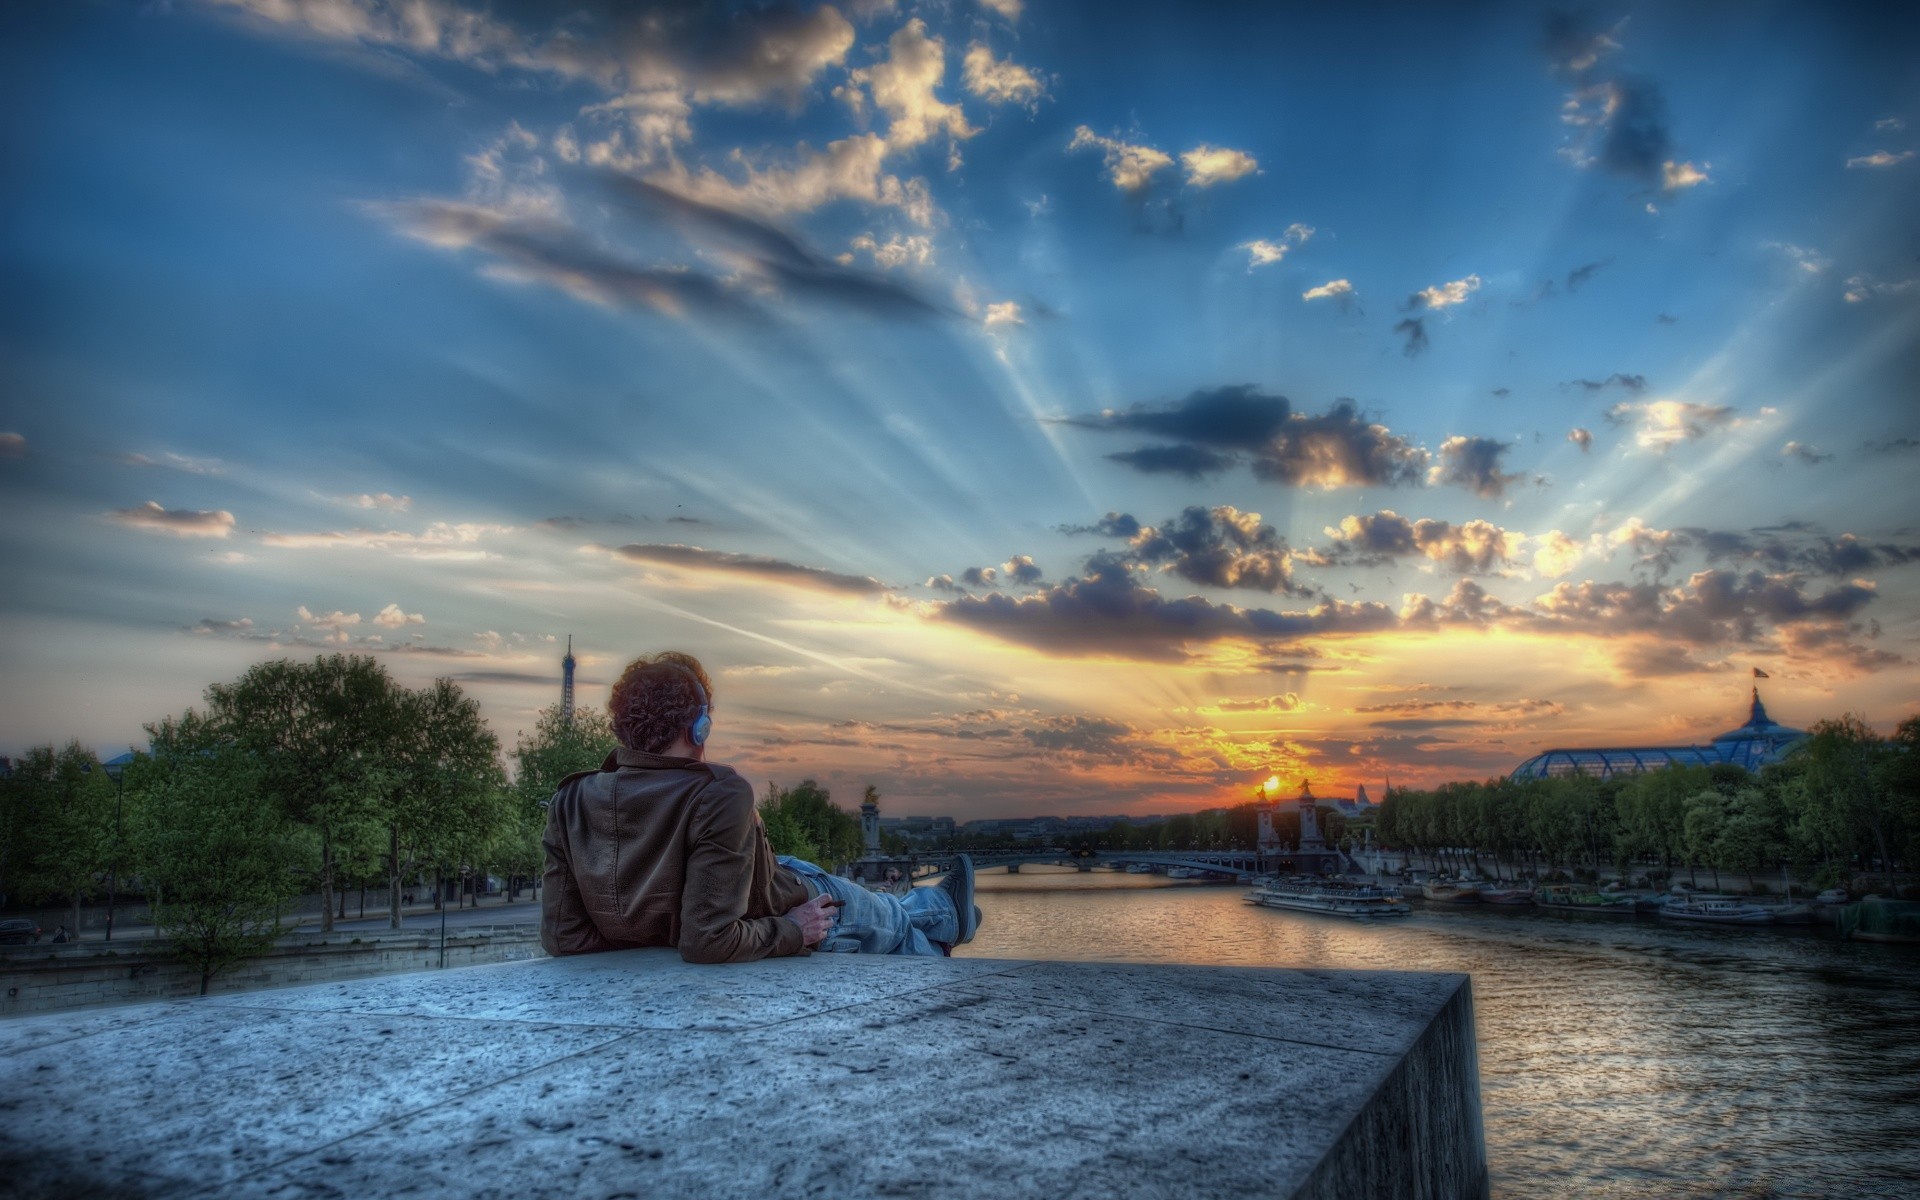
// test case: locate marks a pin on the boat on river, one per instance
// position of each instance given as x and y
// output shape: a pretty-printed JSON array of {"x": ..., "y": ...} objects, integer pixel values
[
  {"x": 1451, "y": 891},
  {"x": 1330, "y": 896},
  {"x": 1715, "y": 910},
  {"x": 1568, "y": 897}
]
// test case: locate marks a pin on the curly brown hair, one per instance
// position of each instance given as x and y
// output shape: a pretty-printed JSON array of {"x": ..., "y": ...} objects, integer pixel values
[{"x": 656, "y": 699}]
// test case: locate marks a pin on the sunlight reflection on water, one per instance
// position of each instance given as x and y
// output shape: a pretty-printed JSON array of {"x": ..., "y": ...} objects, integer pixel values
[{"x": 1617, "y": 1058}]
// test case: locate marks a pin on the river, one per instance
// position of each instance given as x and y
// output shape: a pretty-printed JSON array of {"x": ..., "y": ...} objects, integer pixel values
[{"x": 1618, "y": 1058}]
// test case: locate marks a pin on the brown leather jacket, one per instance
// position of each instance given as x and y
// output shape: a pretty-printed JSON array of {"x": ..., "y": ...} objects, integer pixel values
[{"x": 652, "y": 850}]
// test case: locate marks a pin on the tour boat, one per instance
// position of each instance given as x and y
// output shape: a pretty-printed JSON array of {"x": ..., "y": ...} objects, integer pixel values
[
  {"x": 1716, "y": 910},
  {"x": 1448, "y": 891},
  {"x": 1139, "y": 869},
  {"x": 1329, "y": 896},
  {"x": 1181, "y": 872},
  {"x": 1568, "y": 897}
]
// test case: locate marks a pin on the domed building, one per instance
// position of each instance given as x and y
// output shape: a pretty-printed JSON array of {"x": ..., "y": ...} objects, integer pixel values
[{"x": 1760, "y": 741}]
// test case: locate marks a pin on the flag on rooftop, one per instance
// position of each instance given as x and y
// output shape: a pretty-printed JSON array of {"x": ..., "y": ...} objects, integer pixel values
[{"x": 1759, "y": 674}]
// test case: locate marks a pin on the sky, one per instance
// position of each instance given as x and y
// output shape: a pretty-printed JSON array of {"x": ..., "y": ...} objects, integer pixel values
[{"x": 1022, "y": 407}]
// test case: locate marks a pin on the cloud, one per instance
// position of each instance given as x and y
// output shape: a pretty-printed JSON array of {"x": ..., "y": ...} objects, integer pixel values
[
  {"x": 393, "y": 617},
  {"x": 903, "y": 87},
  {"x": 998, "y": 81},
  {"x": 1810, "y": 455},
  {"x": 1863, "y": 287},
  {"x": 1378, "y": 538},
  {"x": 1194, "y": 462},
  {"x": 1572, "y": 45},
  {"x": 333, "y": 620},
  {"x": 176, "y": 462},
  {"x": 1580, "y": 275},
  {"x": 441, "y": 540},
  {"x": 1678, "y": 176},
  {"x": 1285, "y": 702},
  {"x": 1889, "y": 125},
  {"x": 551, "y": 252},
  {"x": 1805, "y": 552},
  {"x": 1630, "y": 383},
  {"x": 383, "y": 500},
  {"x": 1473, "y": 463},
  {"x": 1806, "y": 258},
  {"x": 1334, "y": 289},
  {"x": 913, "y": 250},
  {"x": 1262, "y": 252},
  {"x": 1661, "y": 424},
  {"x": 215, "y": 625},
  {"x": 1130, "y": 167},
  {"x": 1414, "y": 329},
  {"x": 1339, "y": 448},
  {"x": 1113, "y": 525},
  {"x": 12, "y": 445},
  {"x": 179, "y": 522},
  {"x": 1880, "y": 158},
  {"x": 1022, "y": 570},
  {"x": 1106, "y": 613},
  {"x": 1010, "y": 9},
  {"x": 1218, "y": 547},
  {"x": 752, "y": 566},
  {"x": 1208, "y": 165},
  {"x": 1558, "y": 554},
  {"x": 1444, "y": 295},
  {"x": 850, "y": 168},
  {"x": 1006, "y": 312},
  {"x": 981, "y": 577}
]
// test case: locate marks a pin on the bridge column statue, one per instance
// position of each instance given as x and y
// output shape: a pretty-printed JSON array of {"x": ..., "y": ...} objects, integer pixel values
[{"x": 1310, "y": 838}]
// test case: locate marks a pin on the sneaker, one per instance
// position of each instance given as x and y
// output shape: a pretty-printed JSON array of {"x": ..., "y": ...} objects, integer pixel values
[{"x": 959, "y": 888}]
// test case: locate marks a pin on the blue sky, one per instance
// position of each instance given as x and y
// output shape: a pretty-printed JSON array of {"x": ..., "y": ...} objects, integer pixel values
[{"x": 923, "y": 367}]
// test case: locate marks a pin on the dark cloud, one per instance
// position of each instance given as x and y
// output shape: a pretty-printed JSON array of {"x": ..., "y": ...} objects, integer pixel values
[
  {"x": 1219, "y": 547},
  {"x": 1022, "y": 570},
  {"x": 1339, "y": 448},
  {"x": 1194, "y": 462},
  {"x": 1113, "y": 525},
  {"x": 944, "y": 583},
  {"x": 1901, "y": 445},
  {"x": 1631, "y": 383},
  {"x": 772, "y": 253},
  {"x": 1086, "y": 735},
  {"x": 1414, "y": 329},
  {"x": 1572, "y": 42},
  {"x": 180, "y": 522},
  {"x": 1474, "y": 464},
  {"x": 1636, "y": 143},
  {"x": 1107, "y": 613},
  {"x": 1794, "y": 550},
  {"x": 1810, "y": 455},
  {"x": 1501, "y": 392},
  {"x": 1585, "y": 272},
  {"x": 980, "y": 577},
  {"x": 772, "y": 570},
  {"x": 1665, "y": 319},
  {"x": 1235, "y": 417}
]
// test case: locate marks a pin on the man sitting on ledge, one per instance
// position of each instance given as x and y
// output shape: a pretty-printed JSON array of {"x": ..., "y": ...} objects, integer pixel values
[{"x": 660, "y": 847}]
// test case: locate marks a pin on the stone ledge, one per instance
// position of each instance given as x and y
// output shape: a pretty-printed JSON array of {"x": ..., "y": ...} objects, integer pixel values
[{"x": 833, "y": 1075}]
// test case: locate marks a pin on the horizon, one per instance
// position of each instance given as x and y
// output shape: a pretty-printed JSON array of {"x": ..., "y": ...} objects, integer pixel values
[{"x": 1018, "y": 407}]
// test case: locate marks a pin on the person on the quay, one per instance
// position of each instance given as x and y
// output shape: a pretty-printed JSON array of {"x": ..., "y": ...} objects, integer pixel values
[{"x": 660, "y": 847}]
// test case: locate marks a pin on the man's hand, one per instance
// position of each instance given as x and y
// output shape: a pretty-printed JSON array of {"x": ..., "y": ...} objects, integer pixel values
[{"x": 815, "y": 918}]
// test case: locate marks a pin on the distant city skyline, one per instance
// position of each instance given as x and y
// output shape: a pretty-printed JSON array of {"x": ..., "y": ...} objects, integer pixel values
[{"x": 1019, "y": 407}]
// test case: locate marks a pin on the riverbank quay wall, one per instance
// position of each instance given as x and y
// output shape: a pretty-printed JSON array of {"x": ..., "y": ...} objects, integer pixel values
[
  {"x": 838, "y": 1075},
  {"x": 48, "y": 978}
]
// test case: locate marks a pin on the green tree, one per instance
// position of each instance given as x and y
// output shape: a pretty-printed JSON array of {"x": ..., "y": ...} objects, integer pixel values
[
  {"x": 441, "y": 793},
  {"x": 804, "y": 816},
  {"x": 318, "y": 731},
  {"x": 218, "y": 858},
  {"x": 58, "y": 807}
]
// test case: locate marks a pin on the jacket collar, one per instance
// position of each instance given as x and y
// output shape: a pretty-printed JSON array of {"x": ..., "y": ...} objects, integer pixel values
[{"x": 623, "y": 758}]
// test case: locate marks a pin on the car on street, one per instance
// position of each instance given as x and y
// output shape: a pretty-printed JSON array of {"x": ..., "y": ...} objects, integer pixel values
[{"x": 18, "y": 931}]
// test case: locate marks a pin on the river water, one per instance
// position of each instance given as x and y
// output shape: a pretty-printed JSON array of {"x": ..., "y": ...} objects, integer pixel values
[{"x": 1618, "y": 1058}]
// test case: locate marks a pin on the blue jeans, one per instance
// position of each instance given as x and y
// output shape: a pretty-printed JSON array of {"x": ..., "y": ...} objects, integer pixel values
[{"x": 878, "y": 923}]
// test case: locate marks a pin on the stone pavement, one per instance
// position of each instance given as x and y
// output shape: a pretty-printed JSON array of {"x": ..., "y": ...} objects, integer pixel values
[{"x": 634, "y": 1074}]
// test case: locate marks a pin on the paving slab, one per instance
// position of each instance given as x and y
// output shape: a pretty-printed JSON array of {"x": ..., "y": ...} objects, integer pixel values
[{"x": 835, "y": 1075}]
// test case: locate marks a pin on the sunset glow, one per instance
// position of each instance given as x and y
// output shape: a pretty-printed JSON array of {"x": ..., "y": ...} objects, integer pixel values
[{"x": 1019, "y": 408}]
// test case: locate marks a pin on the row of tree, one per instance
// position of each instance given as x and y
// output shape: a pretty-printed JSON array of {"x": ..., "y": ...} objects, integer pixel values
[
  {"x": 298, "y": 777},
  {"x": 1843, "y": 801}
]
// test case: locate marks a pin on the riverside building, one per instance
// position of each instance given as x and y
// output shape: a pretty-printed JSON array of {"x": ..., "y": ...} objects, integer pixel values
[{"x": 1760, "y": 741}]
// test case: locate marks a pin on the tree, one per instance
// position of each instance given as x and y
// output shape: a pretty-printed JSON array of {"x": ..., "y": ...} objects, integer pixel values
[
  {"x": 58, "y": 828},
  {"x": 440, "y": 791},
  {"x": 317, "y": 730},
  {"x": 217, "y": 856},
  {"x": 804, "y": 816}
]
